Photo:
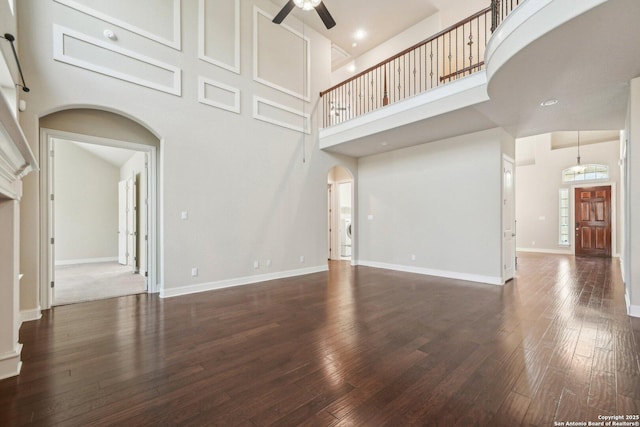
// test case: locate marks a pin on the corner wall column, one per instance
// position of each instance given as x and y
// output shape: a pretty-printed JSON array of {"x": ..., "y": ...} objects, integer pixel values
[
  {"x": 632, "y": 201},
  {"x": 10, "y": 348}
]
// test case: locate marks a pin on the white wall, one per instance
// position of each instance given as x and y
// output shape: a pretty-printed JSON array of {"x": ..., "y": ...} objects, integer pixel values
[
  {"x": 253, "y": 190},
  {"x": 449, "y": 14},
  {"x": 8, "y": 67},
  {"x": 439, "y": 201},
  {"x": 86, "y": 205},
  {"x": 411, "y": 36},
  {"x": 631, "y": 258},
  {"x": 538, "y": 184}
]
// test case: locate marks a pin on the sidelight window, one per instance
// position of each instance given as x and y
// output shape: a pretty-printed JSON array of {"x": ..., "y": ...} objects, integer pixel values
[{"x": 563, "y": 217}]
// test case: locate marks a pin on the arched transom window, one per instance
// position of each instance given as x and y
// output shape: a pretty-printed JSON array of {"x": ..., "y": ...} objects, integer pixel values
[{"x": 585, "y": 173}]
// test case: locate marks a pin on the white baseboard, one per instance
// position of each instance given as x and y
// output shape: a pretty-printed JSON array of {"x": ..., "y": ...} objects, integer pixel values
[
  {"x": 546, "y": 251},
  {"x": 632, "y": 310},
  {"x": 240, "y": 281},
  {"x": 490, "y": 280},
  {"x": 29, "y": 315},
  {"x": 10, "y": 363},
  {"x": 85, "y": 261}
]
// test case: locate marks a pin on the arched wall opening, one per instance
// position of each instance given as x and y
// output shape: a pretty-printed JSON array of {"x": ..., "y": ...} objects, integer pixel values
[
  {"x": 103, "y": 131},
  {"x": 341, "y": 214}
]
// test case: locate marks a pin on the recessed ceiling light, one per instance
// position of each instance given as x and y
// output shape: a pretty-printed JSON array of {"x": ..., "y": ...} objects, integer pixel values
[
  {"x": 384, "y": 144},
  {"x": 354, "y": 44},
  {"x": 360, "y": 34},
  {"x": 548, "y": 102}
]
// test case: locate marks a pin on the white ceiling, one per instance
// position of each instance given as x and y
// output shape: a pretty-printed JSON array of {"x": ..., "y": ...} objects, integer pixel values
[
  {"x": 381, "y": 19},
  {"x": 586, "y": 64},
  {"x": 115, "y": 156}
]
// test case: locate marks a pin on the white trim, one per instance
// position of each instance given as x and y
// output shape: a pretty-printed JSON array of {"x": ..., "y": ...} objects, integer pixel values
[
  {"x": 307, "y": 82},
  {"x": 155, "y": 253},
  {"x": 10, "y": 364},
  {"x": 174, "y": 43},
  {"x": 202, "y": 84},
  {"x": 240, "y": 281},
  {"x": 546, "y": 251},
  {"x": 59, "y": 32},
  {"x": 528, "y": 22},
  {"x": 634, "y": 310},
  {"x": 235, "y": 67},
  {"x": 307, "y": 124},
  {"x": 464, "y": 92},
  {"x": 489, "y": 280},
  {"x": 85, "y": 261},
  {"x": 29, "y": 315}
]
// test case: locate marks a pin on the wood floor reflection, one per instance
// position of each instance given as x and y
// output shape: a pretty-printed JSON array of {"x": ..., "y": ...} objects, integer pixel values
[{"x": 353, "y": 346}]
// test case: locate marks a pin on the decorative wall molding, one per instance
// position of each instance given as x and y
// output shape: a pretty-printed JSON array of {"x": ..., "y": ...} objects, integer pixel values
[
  {"x": 489, "y": 280},
  {"x": 240, "y": 281},
  {"x": 306, "y": 127},
  {"x": 307, "y": 61},
  {"x": 202, "y": 42},
  {"x": 175, "y": 42},
  {"x": 86, "y": 261},
  {"x": 60, "y": 33},
  {"x": 203, "y": 82},
  {"x": 16, "y": 157}
]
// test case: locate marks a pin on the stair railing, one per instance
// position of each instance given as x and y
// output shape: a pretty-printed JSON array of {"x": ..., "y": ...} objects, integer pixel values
[{"x": 449, "y": 55}]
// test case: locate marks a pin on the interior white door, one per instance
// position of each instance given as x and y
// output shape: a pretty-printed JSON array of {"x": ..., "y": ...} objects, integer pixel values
[
  {"x": 52, "y": 223},
  {"x": 508, "y": 221},
  {"x": 122, "y": 222},
  {"x": 131, "y": 223},
  {"x": 329, "y": 220}
]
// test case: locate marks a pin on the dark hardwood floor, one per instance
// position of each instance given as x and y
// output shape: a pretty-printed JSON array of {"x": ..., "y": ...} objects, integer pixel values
[{"x": 354, "y": 346}]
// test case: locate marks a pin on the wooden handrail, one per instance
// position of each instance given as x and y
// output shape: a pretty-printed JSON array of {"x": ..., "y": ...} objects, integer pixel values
[
  {"x": 410, "y": 49},
  {"x": 464, "y": 70}
]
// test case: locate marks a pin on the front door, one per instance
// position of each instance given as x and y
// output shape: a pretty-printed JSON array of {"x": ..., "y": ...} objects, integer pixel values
[{"x": 593, "y": 221}]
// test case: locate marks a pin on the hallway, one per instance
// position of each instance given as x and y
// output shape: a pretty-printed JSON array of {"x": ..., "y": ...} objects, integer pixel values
[{"x": 355, "y": 345}]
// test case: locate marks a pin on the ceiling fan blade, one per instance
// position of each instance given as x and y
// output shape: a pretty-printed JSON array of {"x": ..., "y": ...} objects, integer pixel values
[
  {"x": 284, "y": 12},
  {"x": 325, "y": 16}
]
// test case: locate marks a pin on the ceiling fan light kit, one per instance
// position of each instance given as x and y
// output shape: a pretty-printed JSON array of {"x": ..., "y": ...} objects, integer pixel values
[
  {"x": 318, "y": 5},
  {"x": 307, "y": 4}
]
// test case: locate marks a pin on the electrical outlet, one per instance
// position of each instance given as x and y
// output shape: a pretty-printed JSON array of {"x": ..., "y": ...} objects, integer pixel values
[
  {"x": 268, "y": 263},
  {"x": 256, "y": 264},
  {"x": 301, "y": 259},
  {"x": 184, "y": 215},
  {"x": 194, "y": 272},
  {"x": 413, "y": 257}
]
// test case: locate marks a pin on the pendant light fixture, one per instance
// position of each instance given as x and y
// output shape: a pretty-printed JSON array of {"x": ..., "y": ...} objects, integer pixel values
[{"x": 578, "y": 168}]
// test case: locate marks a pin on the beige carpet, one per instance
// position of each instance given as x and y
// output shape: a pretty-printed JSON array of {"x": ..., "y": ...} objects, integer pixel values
[{"x": 86, "y": 282}]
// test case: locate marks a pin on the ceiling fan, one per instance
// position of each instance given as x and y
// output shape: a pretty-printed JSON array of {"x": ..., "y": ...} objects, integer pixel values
[{"x": 318, "y": 5}]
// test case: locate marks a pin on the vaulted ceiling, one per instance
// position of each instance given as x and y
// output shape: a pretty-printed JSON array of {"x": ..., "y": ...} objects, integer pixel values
[{"x": 379, "y": 19}]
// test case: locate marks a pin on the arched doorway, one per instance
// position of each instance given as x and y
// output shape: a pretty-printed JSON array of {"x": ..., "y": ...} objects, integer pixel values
[
  {"x": 101, "y": 137},
  {"x": 340, "y": 214}
]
